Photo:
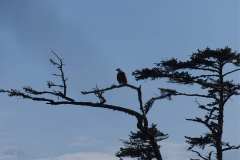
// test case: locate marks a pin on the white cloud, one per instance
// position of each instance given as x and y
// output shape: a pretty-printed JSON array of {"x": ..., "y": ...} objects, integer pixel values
[
  {"x": 12, "y": 154},
  {"x": 178, "y": 151},
  {"x": 170, "y": 151},
  {"x": 85, "y": 141},
  {"x": 83, "y": 156}
]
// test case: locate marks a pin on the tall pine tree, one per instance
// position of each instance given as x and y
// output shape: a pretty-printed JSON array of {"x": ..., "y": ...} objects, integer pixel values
[{"x": 212, "y": 70}]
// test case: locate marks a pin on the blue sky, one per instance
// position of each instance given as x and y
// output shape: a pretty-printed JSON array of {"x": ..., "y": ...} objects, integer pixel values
[{"x": 96, "y": 37}]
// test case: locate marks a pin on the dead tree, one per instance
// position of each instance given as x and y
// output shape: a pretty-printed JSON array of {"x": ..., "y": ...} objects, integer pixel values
[
  {"x": 211, "y": 70},
  {"x": 57, "y": 94}
]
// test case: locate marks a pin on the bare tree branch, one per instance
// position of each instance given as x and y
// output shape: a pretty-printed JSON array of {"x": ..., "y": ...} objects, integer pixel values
[
  {"x": 235, "y": 70},
  {"x": 177, "y": 93},
  {"x": 199, "y": 120},
  {"x": 229, "y": 147},
  {"x": 59, "y": 63},
  {"x": 148, "y": 105},
  {"x": 138, "y": 89},
  {"x": 199, "y": 154},
  {"x": 17, "y": 93}
]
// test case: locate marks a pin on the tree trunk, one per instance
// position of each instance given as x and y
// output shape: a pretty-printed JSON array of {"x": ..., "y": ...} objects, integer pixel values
[
  {"x": 143, "y": 126},
  {"x": 219, "y": 154},
  {"x": 156, "y": 148}
]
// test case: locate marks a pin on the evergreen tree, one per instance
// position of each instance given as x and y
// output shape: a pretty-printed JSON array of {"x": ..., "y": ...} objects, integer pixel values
[
  {"x": 211, "y": 70},
  {"x": 140, "y": 145}
]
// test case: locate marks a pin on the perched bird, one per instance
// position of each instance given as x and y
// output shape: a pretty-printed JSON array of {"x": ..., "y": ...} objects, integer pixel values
[{"x": 121, "y": 77}]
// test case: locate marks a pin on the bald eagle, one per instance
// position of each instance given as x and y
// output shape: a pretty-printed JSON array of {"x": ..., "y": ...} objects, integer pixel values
[{"x": 121, "y": 77}]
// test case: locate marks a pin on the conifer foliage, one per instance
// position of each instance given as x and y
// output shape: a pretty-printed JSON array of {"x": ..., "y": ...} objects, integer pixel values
[
  {"x": 213, "y": 71},
  {"x": 140, "y": 143}
]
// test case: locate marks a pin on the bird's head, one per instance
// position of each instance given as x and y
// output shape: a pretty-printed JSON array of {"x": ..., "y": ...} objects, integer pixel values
[{"x": 118, "y": 69}]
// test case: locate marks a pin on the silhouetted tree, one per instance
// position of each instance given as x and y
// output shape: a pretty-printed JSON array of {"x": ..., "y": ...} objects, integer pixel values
[
  {"x": 57, "y": 94},
  {"x": 211, "y": 70},
  {"x": 140, "y": 145}
]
